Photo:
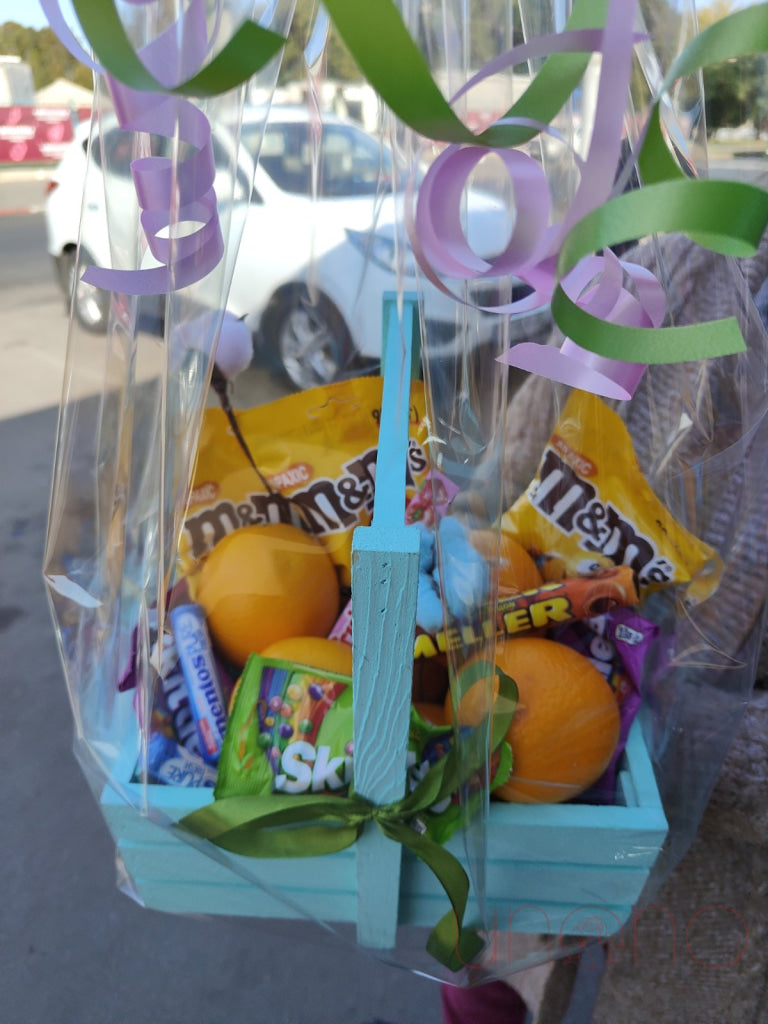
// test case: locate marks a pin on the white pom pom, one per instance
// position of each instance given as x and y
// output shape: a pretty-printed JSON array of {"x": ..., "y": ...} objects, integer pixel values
[{"x": 234, "y": 351}]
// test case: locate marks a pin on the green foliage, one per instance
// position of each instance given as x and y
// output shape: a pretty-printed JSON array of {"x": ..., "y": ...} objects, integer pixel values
[
  {"x": 337, "y": 61},
  {"x": 495, "y": 23},
  {"x": 47, "y": 57},
  {"x": 736, "y": 92}
]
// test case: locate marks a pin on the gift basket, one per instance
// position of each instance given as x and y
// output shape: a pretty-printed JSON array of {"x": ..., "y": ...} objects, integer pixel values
[{"x": 450, "y": 641}]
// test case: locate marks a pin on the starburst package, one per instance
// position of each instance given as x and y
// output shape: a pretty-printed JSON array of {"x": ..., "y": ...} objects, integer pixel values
[{"x": 406, "y": 548}]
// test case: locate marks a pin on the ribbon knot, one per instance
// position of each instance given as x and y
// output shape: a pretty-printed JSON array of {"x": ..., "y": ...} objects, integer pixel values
[{"x": 313, "y": 825}]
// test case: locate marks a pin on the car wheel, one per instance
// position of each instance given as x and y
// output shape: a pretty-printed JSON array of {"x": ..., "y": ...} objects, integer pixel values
[
  {"x": 310, "y": 339},
  {"x": 91, "y": 304}
]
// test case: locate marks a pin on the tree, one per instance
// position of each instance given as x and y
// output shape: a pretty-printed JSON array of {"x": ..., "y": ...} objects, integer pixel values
[
  {"x": 735, "y": 91},
  {"x": 714, "y": 11},
  {"x": 338, "y": 62},
  {"x": 47, "y": 57}
]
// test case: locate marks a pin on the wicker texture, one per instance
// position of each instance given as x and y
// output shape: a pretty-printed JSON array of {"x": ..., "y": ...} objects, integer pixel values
[{"x": 700, "y": 434}]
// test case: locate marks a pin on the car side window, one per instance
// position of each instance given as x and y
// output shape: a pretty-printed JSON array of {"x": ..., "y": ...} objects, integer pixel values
[
  {"x": 116, "y": 149},
  {"x": 352, "y": 163},
  {"x": 115, "y": 152},
  {"x": 286, "y": 157},
  {"x": 222, "y": 160}
]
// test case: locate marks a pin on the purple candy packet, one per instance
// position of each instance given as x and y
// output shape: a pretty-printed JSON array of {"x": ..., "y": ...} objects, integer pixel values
[{"x": 617, "y": 644}]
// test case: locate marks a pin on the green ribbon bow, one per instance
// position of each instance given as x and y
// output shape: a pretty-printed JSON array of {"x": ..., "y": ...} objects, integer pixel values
[{"x": 282, "y": 825}]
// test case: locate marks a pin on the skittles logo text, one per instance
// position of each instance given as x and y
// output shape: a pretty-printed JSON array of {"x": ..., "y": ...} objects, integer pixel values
[{"x": 306, "y": 768}]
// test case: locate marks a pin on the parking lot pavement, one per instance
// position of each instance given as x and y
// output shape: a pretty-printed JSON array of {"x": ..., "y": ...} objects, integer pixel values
[{"x": 22, "y": 189}]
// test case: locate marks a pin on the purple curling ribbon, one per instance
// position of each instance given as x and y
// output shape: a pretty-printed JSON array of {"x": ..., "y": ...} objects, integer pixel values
[
  {"x": 179, "y": 213},
  {"x": 167, "y": 203},
  {"x": 439, "y": 242},
  {"x": 606, "y": 297},
  {"x": 604, "y": 286}
]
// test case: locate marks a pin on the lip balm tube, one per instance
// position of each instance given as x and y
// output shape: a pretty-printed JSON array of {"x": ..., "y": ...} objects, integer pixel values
[{"x": 198, "y": 666}]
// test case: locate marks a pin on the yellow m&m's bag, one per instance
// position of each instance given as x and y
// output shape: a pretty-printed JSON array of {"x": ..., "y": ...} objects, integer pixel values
[
  {"x": 313, "y": 465},
  {"x": 589, "y": 506}
]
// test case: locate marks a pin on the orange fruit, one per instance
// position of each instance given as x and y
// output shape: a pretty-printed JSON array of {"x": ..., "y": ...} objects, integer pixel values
[
  {"x": 432, "y": 713},
  {"x": 554, "y": 569},
  {"x": 260, "y": 584},
  {"x": 475, "y": 704},
  {"x": 517, "y": 570},
  {"x": 566, "y": 724},
  {"x": 314, "y": 652}
]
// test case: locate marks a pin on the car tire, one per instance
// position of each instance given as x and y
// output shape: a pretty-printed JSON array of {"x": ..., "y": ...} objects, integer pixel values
[
  {"x": 308, "y": 338},
  {"x": 90, "y": 304}
]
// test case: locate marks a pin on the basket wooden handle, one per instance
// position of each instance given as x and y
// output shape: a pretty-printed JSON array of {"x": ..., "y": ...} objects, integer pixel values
[{"x": 385, "y": 564}]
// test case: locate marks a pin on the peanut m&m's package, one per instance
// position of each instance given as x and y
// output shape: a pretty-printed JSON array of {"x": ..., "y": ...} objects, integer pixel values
[
  {"x": 589, "y": 506},
  {"x": 312, "y": 464}
]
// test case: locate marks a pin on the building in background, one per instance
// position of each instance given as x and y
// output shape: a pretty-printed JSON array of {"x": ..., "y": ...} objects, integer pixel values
[{"x": 17, "y": 87}]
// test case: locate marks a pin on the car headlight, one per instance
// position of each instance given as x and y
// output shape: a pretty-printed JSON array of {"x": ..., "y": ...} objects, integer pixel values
[{"x": 383, "y": 251}]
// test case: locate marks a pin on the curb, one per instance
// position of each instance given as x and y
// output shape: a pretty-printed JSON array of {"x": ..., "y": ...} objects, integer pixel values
[
  {"x": 21, "y": 211},
  {"x": 35, "y": 173},
  {"x": 20, "y": 175}
]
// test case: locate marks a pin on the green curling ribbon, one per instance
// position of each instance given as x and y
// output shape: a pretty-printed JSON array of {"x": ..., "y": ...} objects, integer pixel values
[
  {"x": 374, "y": 31},
  {"x": 249, "y": 50},
  {"x": 742, "y": 34},
  {"x": 729, "y": 217},
  {"x": 724, "y": 216},
  {"x": 655, "y": 162},
  {"x": 282, "y": 825}
]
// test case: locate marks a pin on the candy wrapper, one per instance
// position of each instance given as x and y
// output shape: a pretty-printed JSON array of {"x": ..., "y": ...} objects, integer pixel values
[
  {"x": 580, "y": 513},
  {"x": 415, "y": 574}
]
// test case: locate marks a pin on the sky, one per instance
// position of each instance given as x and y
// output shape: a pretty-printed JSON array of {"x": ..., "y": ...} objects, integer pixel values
[{"x": 23, "y": 12}]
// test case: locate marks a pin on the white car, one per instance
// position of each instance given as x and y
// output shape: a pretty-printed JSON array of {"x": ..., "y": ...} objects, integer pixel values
[
  {"x": 321, "y": 239},
  {"x": 63, "y": 200},
  {"x": 77, "y": 202}
]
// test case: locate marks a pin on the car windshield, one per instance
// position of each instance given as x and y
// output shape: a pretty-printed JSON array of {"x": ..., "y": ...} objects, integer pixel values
[{"x": 351, "y": 162}]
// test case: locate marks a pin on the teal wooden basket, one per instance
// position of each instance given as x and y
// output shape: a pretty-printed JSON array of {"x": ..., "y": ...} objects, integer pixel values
[{"x": 556, "y": 869}]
